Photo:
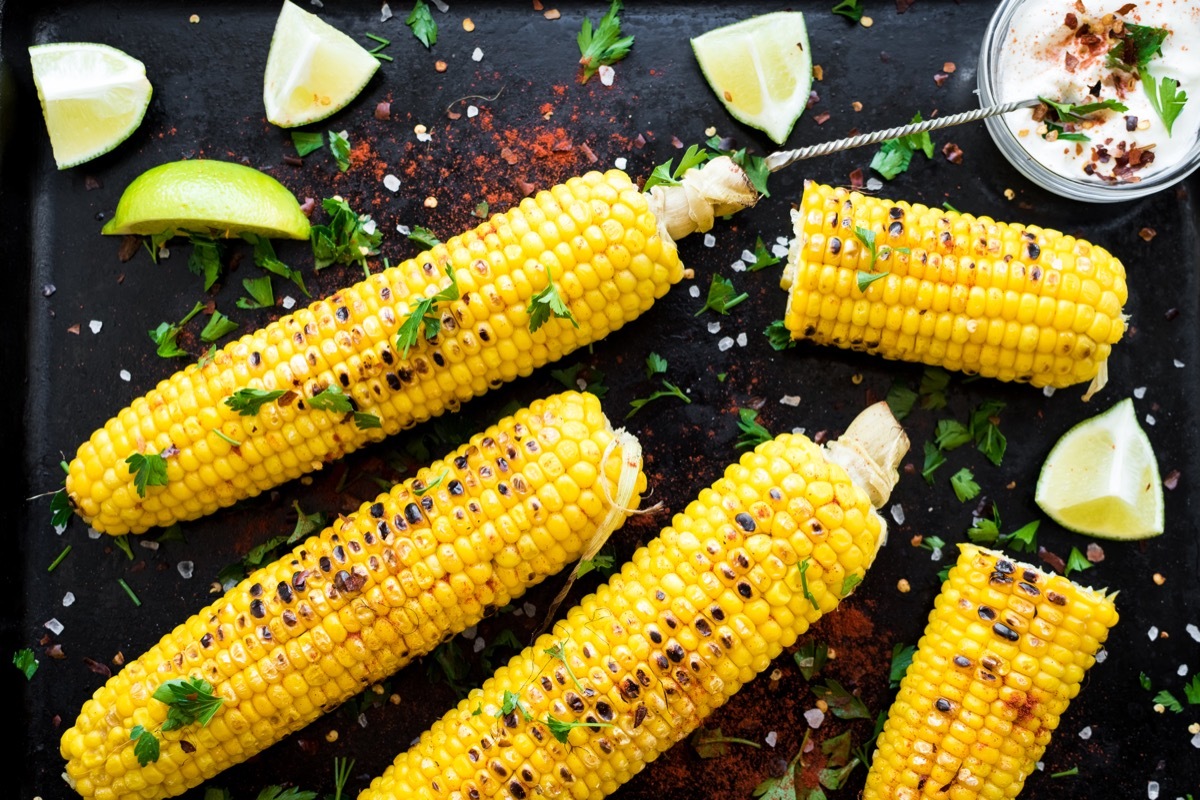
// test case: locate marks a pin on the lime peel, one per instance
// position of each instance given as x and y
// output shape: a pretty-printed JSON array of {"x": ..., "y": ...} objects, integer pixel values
[{"x": 1101, "y": 478}]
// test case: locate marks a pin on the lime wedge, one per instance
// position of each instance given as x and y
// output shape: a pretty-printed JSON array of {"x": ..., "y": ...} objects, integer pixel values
[
  {"x": 93, "y": 97},
  {"x": 313, "y": 69},
  {"x": 1101, "y": 478},
  {"x": 213, "y": 197},
  {"x": 761, "y": 69}
]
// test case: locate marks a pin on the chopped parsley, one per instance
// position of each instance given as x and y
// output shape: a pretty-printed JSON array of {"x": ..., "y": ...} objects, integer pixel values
[
  {"x": 420, "y": 19},
  {"x": 951, "y": 434},
  {"x": 512, "y": 702},
  {"x": 933, "y": 460},
  {"x": 603, "y": 562},
  {"x": 933, "y": 388},
  {"x": 655, "y": 365},
  {"x": 752, "y": 432},
  {"x": 810, "y": 658},
  {"x": 1168, "y": 701},
  {"x": 1023, "y": 539},
  {"x": 548, "y": 302},
  {"x": 306, "y": 525},
  {"x": 66, "y": 551},
  {"x": 341, "y": 769},
  {"x": 964, "y": 485},
  {"x": 985, "y": 431},
  {"x": 380, "y": 46},
  {"x": 1144, "y": 680},
  {"x": 148, "y": 469},
  {"x": 188, "y": 700},
  {"x": 778, "y": 336},
  {"x": 450, "y": 665},
  {"x": 1164, "y": 97},
  {"x": 570, "y": 378},
  {"x": 850, "y": 9},
  {"x": 669, "y": 390},
  {"x": 262, "y": 294},
  {"x": 1138, "y": 44},
  {"x": 1057, "y": 133},
  {"x": 424, "y": 313},
  {"x": 665, "y": 175},
  {"x": 842, "y": 703},
  {"x": 933, "y": 544},
  {"x": 1072, "y": 111},
  {"x": 604, "y": 45},
  {"x": 60, "y": 509},
  {"x": 145, "y": 746},
  {"x": 721, "y": 296},
  {"x": 712, "y": 743},
  {"x": 248, "y": 402},
  {"x": 850, "y": 582},
  {"x": 166, "y": 335},
  {"x": 364, "y": 421},
  {"x": 785, "y": 787},
  {"x": 348, "y": 238},
  {"x": 26, "y": 661},
  {"x": 218, "y": 326},
  {"x": 129, "y": 591},
  {"x": 901, "y": 399},
  {"x": 424, "y": 237},
  {"x": 895, "y": 155},
  {"x": 205, "y": 258},
  {"x": 560, "y": 729},
  {"x": 1076, "y": 562},
  {"x": 804, "y": 584},
  {"x": 331, "y": 398},
  {"x": 763, "y": 257},
  {"x": 339, "y": 145},
  {"x": 755, "y": 166},
  {"x": 281, "y": 793},
  {"x": 902, "y": 656},
  {"x": 264, "y": 257},
  {"x": 1191, "y": 690},
  {"x": 1066, "y": 773},
  {"x": 865, "y": 279},
  {"x": 307, "y": 143}
]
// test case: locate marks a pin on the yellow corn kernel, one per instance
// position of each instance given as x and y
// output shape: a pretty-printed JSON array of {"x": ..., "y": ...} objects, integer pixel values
[
  {"x": 974, "y": 690},
  {"x": 347, "y": 607},
  {"x": 348, "y": 341},
  {"x": 1047, "y": 305}
]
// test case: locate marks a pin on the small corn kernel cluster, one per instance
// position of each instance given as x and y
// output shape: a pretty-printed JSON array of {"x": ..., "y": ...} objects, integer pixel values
[
  {"x": 349, "y": 607},
  {"x": 1005, "y": 651},
  {"x": 699, "y": 611},
  {"x": 1006, "y": 301},
  {"x": 594, "y": 235}
]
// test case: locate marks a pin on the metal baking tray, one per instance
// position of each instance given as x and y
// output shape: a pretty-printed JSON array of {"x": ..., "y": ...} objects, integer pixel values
[{"x": 66, "y": 379}]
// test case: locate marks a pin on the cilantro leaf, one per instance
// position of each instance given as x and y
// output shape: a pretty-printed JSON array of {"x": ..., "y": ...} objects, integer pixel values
[
  {"x": 865, "y": 279},
  {"x": 810, "y": 658},
  {"x": 146, "y": 745},
  {"x": 763, "y": 257},
  {"x": 165, "y": 336},
  {"x": 248, "y": 402},
  {"x": 604, "y": 45},
  {"x": 753, "y": 433},
  {"x": 420, "y": 19},
  {"x": 842, "y": 703},
  {"x": 986, "y": 531},
  {"x": 424, "y": 313},
  {"x": 655, "y": 365},
  {"x": 1165, "y": 97},
  {"x": 26, "y": 661},
  {"x": 778, "y": 336},
  {"x": 188, "y": 700},
  {"x": 331, "y": 398},
  {"x": 664, "y": 175},
  {"x": 933, "y": 460},
  {"x": 364, "y": 421},
  {"x": 548, "y": 302},
  {"x": 218, "y": 325},
  {"x": 900, "y": 400},
  {"x": 348, "y": 238},
  {"x": 850, "y": 9},
  {"x": 424, "y": 237},
  {"x": 512, "y": 702},
  {"x": 306, "y": 142},
  {"x": 149, "y": 469},
  {"x": 670, "y": 390},
  {"x": 721, "y": 297},
  {"x": 902, "y": 656},
  {"x": 964, "y": 485},
  {"x": 1076, "y": 562},
  {"x": 1024, "y": 539},
  {"x": 1168, "y": 701},
  {"x": 1138, "y": 44}
]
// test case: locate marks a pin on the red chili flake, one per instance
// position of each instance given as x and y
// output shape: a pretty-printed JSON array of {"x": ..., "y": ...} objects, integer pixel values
[
  {"x": 293, "y": 161},
  {"x": 563, "y": 146},
  {"x": 949, "y": 66},
  {"x": 509, "y": 156},
  {"x": 526, "y": 187},
  {"x": 940, "y": 78},
  {"x": 904, "y": 5},
  {"x": 1052, "y": 559},
  {"x": 821, "y": 118},
  {"x": 186, "y": 746},
  {"x": 74, "y": 329},
  {"x": 97, "y": 667},
  {"x": 1071, "y": 21},
  {"x": 308, "y": 206},
  {"x": 55, "y": 651},
  {"x": 952, "y": 152},
  {"x": 308, "y": 746},
  {"x": 1171, "y": 314},
  {"x": 1172, "y": 479},
  {"x": 676, "y": 142},
  {"x": 856, "y": 179},
  {"x": 383, "y": 110},
  {"x": 813, "y": 99},
  {"x": 587, "y": 152},
  {"x": 820, "y": 436},
  {"x": 56, "y": 720},
  {"x": 1095, "y": 553},
  {"x": 453, "y": 115},
  {"x": 1147, "y": 234},
  {"x": 1125, "y": 9},
  {"x": 129, "y": 248},
  {"x": 639, "y": 142},
  {"x": 90, "y": 182},
  {"x": 1070, "y": 62},
  {"x": 910, "y": 468}
]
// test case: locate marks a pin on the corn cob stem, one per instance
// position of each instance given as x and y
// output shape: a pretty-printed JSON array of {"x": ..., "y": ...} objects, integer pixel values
[
  {"x": 350, "y": 606},
  {"x": 638, "y": 665},
  {"x": 1005, "y": 651},
  {"x": 1007, "y": 301}
]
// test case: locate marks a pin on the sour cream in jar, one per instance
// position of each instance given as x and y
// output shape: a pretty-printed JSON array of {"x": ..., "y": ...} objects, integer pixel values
[{"x": 1070, "y": 52}]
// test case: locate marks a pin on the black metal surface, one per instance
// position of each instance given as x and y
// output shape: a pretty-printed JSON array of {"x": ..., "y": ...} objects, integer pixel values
[{"x": 65, "y": 380}]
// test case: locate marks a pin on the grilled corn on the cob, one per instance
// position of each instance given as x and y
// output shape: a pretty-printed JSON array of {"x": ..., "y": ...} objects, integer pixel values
[
  {"x": 349, "y": 607},
  {"x": 1003, "y": 654},
  {"x": 1006, "y": 301},
  {"x": 699, "y": 611},
  {"x": 595, "y": 235}
]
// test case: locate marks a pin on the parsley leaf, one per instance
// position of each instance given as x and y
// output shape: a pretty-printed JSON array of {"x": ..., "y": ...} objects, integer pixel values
[
  {"x": 218, "y": 325},
  {"x": 1023, "y": 539},
  {"x": 1076, "y": 562},
  {"x": 331, "y": 398},
  {"x": 986, "y": 531},
  {"x": 900, "y": 400},
  {"x": 547, "y": 302},
  {"x": 933, "y": 388},
  {"x": 146, "y": 747},
  {"x": 1165, "y": 97},
  {"x": 569, "y": 377},
  {"x": 850, "y": 582},
  {"x": 753, "y": 433},
  {"x": 280, "y": 793},
  {"x": 1057, "y": 133},
  {"x": 1072, "y": 111},
  {"x": 810, "y": 658},
  {"x": 262, "y": 294},
  {"x": 865, "y": 279},
  {"x": 964, "y": 485},
  {"x": 420, "y": 19},
  {"x": 264, "y": 257},
  {"x": 711, "y": 743},
  {"x": 165, "y": 335},
  {"x": 655, "y": 365},
  {"x": 339, "y": 145},
  {"x": 933, "y": 544},
  {"x": 755, "y": 166},
  {"x": 188, "y": 700},
  {"x": 1144, "y": 680},
  {"x": 1168, "y": 701},
  {"x": 424, "y": 313},
  {"x": 833, "y": 777},
  {"x": 60, "y": 510},
  {"x": 664, "y": 175},
  {"x": 763, "y": 257},
  {"x": 604, "y": 45},
  {"x": 348, "y": 238},
  {"x": 149, "y": 469},
  {"x": 778, "y": 336},
  {"x": 424, "y": 237},
  {"x": 561, "y": 729},
  {"x": 512, "y": 702},
  {"x": 850, "y": 9},
  {"x": 985, "y": 432},
  {"x": 951, "y": 434},
  {"x": 306, "y": 142},
  {"x": 895, "y": 155},
  {"x": 902, "y": 656},
  {"x": 804, "y": 565},
  {"x": 842, "y": 703},
  {"x": 1138, "y": 44},
  {"x": 205, "y": 258},
  {"x": 26, "y": 661},
  {"x": 721, "y": 296},
  {"x": 785, "y": 786},
  {"x": 248, "y": 402},
  {"x": 603, "y": 562},
  {"x": 1192, "y": 690},
  {"x": 933, "y": 460},
  {"x": 364, "y": 421},
  {"x": 670, "y": 390}
]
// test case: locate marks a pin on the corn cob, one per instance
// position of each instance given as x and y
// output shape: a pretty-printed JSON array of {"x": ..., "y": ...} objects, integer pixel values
[
  {"x": 748, "y": 567},
  {"x": 1007, "y": 301},
  {"x": 596, "y": 237},
  {"x": 350, "y": 606},
  {"x": 1003, "y": 654}
]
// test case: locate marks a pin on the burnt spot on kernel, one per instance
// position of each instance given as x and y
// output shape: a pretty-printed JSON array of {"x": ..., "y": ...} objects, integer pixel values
[
  {"x": 835, "y": 245},
  {"x": 987, "y": 613},
  {"x": 716, "y": 613},
  {"x": 284, "y": 591},
  {"x": 257, "y": 609},
  {"x": 639, "y": 716},
  {"x": 655, "y": 635},
  {"x": 325, "y": 564},
  {"x": 605, "y": 711},
  {"x": 675, "y": 652},
  {"x": 1005, "y": 632},
  {"x": 339, "y": 554},
  {"x": 703, "y": 628},
  {"x": 999, "y": 579},
  {"x": 1005, "y": 566},
  {"x": 1056, "y": 598},
  {"x": 745, "y": 522},
  {"x": 745, "y": 589},
  {"x": 962, "y": 661},
  {"x": 1032, "y": 250},
  {"x": 895, "y": 212},
  {"x": 206, "y": 640},
  {"x": 412, "y": 512},
  {"x": 1029, "y": 589},
  {"x": 942, "y": 705}
]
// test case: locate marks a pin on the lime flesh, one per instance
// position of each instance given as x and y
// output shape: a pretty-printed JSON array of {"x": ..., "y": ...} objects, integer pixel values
[
  {"x": 1102, "y": 479},
  {"x": 219, "y": 198},
  {"x": 760, "y": 69}
]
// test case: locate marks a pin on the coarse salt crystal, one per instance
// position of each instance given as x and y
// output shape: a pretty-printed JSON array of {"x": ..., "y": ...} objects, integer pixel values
[
  {"x": 1048, "y": 391},
  {"x": 424, "y": 137},
  {"x": 738, "y": 266},
  {"x": 1150, "y": 419},
  {"x": 725, "y": 343},
  {"x": 471, "y": 632},
  {"x": 898, "y": 513},
  {"x": 186, "y": 569},
  {"x": 477, "y": 54},
  {"x": 1086, "y": 732},
  {"x": 391, "y": 182},
  {"x": 1139, "y": 392},
  {"x": 714, "y": 327},
  {"x": 479, "y": 644},
  {"x": 1196, "y": 741},
  {"x": 369, "y": 227},
  {"x": 317, "y": 3},
  {"x": 1193, "y": 631},
  {"x": 792, "y": 400},
  {"x": 529, "y": 608},
  {"x": 1152, "y": 790},
  {"x": 125, "y": 375},
  {"x": 472, "y": 112},
  {"x": 94, "y": 534},
  {"x": 620, "y": 162},
  {"x": 1102, "y": 656},
  {"x": 403, "y": 230},
  {"x": 517, "y": 612},
  {"x": 799, "y": 431},
  {"x": 607, "y": 74},
  {"x": 1041, "y": 765},
  {"x": 95, "y": 325},
  {"x": 385, "y": 13},
  {"x": 814, "y": 717},
  {"x": 1152, "y": 634},
  {"x": 742, "y": 339},
  {"x": 53, "y": 625},
  {"x": 164, "y": 252},
  {"x": 1178, "y": 363},
  {"x": 936, "y": 555},
  {"x": 783, "y": 240},
  {"x": 288, "y": 302},
  {"x": 771, "y": 738},
  {"x": 149, "y": 544},
  {"x": 710, "y": 240},
  {"x": 1182, "y": 671},
  {"x": 441, "y": 6},
  {"x": 779, "y": 250},
  {"x": 748, "y": 257},
  {"x": 68, "y": 599},
  {"x": 694, "y": 291}
]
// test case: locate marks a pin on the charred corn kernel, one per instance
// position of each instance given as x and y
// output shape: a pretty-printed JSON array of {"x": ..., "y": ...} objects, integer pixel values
[
  {"x": 639, "y": 664},
  {"x": 216, "y": 457},
  {"x": 350, "y": 606},
  {"x": 1007, "y": 301},
  {"x": 1003, "y": 654}
]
